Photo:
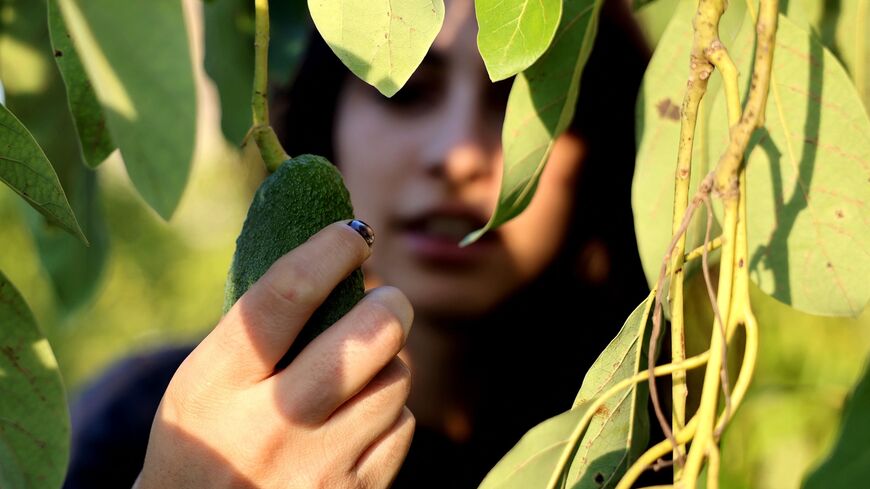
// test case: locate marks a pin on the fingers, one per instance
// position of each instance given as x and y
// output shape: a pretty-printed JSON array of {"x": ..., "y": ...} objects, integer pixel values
[
  {"x": 372, "y": 412},
  {"x": 378, "y": 466},
  {"x": 262, "y": 325},
  {"x": 342, "y": 360}
]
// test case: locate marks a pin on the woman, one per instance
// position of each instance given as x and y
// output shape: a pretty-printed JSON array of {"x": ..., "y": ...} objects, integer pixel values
[{"x": 503, "y": 330}]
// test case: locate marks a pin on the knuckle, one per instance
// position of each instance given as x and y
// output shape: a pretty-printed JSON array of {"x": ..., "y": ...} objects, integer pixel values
[
  {"x": 386, "y": 325},
  {"x": 292, "y": 283}
]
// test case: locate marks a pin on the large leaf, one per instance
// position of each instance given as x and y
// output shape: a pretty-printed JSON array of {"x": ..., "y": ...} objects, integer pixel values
[
  {"x": 380, "y": 41},
  {"x": 838, "y": 25},
  {"x": 137, "y": 56},
  {"x": 807, "y": 171},
  {"x": 620, "y": 432},
  {"x": 229, "y": 56},
  {"x": 94, "y": 138},
  {"x": 25, "y": 168},
  {"x": 532, "y": 461},
  {"x": 658, "y": 132},
  {"x": 515, "y": 33},
  {"x": 848, "y": 465},
  {"x": 540, "y": 107},
  {"x": 614, "y": 438},
  {"x": 34, "y": 423}
]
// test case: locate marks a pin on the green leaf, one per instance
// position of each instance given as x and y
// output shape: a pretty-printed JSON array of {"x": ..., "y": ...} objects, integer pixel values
[
  {"x": 380, "y": 41},
  {"x": 137, "y": 56},
  {"x": 94, "y": 139},
  {"x": 229, "y": 57},
  {"x": 34, "y": 422},
  {"x": 74, "y": 269},
  {"x": 531, "y": 462},
  {"x": 808, "y": 173},
  {"x": 848, "y": 465},
  {"x": 515, "y": 33},
  {"x": 540, "y": 107},
  {"x": 619, "y": 433},
  {"x": 658, "y": 132},
  {"x": 25, "y": 168},
  {"x": 614, "y": 438}
]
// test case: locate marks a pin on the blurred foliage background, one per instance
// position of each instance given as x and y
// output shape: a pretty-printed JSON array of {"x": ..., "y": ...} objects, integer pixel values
[{"x": 162, "y": 283}]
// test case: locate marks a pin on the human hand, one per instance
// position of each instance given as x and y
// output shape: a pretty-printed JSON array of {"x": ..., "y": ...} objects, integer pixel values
[{"x": 334, "y": 418}]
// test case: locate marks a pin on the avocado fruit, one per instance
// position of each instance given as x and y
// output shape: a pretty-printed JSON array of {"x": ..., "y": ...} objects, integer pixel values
[{"x": 304, "y": 195}]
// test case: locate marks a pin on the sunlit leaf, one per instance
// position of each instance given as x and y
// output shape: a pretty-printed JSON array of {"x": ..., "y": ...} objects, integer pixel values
[
  {"x": 839, "y": 27},
  {"x": 658, "y": 131},
  {"x": 848, "y": 465},
  {"x": 380, "y": 41},
  {"x": 137, "y": 56},
  {"x": 25, "y": 169},
  {"x": 540, "y": 108},
  {"x": 616, "y": 434},
  {"x": 34, "y": 423},
  {"x": 515, "y": 33},
  {"x": 808, "y": 173},
  {"x": 90, "y": 123},
  {"x": 654, "y": 17}
]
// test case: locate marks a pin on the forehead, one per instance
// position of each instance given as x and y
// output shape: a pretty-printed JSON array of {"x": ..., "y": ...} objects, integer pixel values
[{"x": 459, "y": 33}]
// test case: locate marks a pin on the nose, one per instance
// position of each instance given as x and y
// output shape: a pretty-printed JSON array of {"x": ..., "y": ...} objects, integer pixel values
[{"x": 461, "y": 147}]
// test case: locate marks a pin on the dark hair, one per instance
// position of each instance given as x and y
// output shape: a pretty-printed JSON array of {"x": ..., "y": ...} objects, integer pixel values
[{"x": 557, "y": 325}]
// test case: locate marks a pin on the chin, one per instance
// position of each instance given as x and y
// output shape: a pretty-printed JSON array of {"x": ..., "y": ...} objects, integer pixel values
[{"x": 455, "y": 300}]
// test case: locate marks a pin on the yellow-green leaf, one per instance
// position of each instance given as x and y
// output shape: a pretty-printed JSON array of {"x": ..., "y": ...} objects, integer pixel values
[
  {"x": 515, "y": 33},
  {"x": 34, "y": 422},
  {"x": 540, "y": 107},
  {"x": 380, "y": 41},
  {"x": 808, "y": 172}
]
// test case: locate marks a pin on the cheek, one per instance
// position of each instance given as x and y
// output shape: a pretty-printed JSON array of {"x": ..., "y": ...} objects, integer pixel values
[
  {"x": 534, "y": 238},
  {"x": 364, "y": 155}
]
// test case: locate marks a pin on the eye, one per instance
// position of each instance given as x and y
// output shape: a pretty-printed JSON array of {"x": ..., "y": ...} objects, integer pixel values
[{"x": 422, "y": 91}]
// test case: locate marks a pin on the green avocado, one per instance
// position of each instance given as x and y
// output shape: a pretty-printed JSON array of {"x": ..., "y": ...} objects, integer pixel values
[{"x": 304, "y": 195}]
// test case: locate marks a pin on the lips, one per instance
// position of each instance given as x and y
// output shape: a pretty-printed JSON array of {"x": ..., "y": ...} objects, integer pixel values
[{"x": 433, "y": 236}]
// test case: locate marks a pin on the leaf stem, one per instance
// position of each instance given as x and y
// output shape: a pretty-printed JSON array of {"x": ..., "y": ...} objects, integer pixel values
[
  {"x": 714, "y": 244},
  {"x": 728, "y": 180},
  {"x": 272, "y": 152},
  {"x": 706, "y": 34}
]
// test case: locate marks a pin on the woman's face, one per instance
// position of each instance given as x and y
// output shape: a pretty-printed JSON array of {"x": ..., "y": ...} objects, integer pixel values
[{"x": 424, "y": 169}]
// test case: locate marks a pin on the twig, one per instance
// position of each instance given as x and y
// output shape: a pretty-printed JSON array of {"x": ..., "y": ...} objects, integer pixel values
[
  {"x": 711, "y": 293},
  {"x": 703, "y": 190},
  {"x": 714, "y": 244}
]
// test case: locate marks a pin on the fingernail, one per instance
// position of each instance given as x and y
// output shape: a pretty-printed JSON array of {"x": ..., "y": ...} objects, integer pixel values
[{"x": 364, "y": 230}]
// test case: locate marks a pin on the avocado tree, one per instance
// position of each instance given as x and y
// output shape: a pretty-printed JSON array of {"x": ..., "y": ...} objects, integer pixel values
[{"x": 752, "y": 177}]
